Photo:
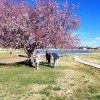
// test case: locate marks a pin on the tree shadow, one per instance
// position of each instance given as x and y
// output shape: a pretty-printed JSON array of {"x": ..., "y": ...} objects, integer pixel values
[
  {"x": 26, "y": 63},
  {"x": 23, "y": 56},
  {"x": 46, "y": 64},
  {"x": 18, "y": 64}
]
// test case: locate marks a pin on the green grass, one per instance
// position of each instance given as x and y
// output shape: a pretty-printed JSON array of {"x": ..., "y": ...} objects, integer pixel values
[
  {"x": 24, "y": 75},
  {"x": 6, "y": 54},
  {"x": 56, "y": 88},
  {"x": 17, "y": 80},
  {"x": 93, "y": 57},
  {"x": 70, "y": 81}
]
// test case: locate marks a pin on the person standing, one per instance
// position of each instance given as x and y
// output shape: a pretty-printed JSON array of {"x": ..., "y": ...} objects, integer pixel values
[
  {"x": 46, "y": 55},
  {"x": 56, "y": 58},
  {"x": 37, "y": 60},
  {"x": 49, "y": 59}
]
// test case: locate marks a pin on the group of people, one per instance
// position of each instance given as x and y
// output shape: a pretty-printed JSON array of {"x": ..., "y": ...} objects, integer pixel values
[
  {"x": 55, "y": 58},
  {"x": 35, "y": 59}
]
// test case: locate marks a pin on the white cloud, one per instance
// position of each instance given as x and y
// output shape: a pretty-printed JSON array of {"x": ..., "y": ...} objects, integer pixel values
[
  {"x": 90, "y": 42},
  {"x": 97, "y": 38}
]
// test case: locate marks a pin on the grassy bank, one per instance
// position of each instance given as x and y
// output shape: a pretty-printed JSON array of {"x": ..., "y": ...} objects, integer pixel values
[
  {"x": 93, "y": 57},
  {"x": 71, "y": 81}
]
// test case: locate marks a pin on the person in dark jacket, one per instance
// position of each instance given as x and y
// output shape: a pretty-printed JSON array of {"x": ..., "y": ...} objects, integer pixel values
[
  {"x": 48, "y": 58},
  {"x": 46, "y": 55},
  {"x": 55, "y": 57}
]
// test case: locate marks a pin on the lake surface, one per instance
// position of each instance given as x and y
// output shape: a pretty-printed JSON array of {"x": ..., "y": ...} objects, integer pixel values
[{"x": 42, "y": 51}]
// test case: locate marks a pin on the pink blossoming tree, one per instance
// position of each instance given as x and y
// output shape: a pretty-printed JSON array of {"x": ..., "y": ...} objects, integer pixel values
[{"x": 45, "y": 24}]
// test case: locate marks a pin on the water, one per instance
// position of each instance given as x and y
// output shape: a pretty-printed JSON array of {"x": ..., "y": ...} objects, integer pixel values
[{"x": 58, "y": 51}]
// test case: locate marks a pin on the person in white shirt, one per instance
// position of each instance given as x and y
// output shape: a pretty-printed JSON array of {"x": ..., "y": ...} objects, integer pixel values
[{"x": 37, "y": 60}]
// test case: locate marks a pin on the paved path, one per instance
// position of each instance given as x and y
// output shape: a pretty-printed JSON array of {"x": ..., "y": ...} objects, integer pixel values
[
  {"x": 13, "y": 60},
  {"x": 76, "y": 58}
]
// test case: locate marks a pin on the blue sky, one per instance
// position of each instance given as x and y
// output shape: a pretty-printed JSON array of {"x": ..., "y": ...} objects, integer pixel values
[{"x": 89, "y": 14}]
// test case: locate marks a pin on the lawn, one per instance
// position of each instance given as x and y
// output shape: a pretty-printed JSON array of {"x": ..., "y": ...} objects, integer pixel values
[
  {"x": 71, "y": 81},
  {"x": 93, "y": 57},
  {"x": 6, "y": 53}
]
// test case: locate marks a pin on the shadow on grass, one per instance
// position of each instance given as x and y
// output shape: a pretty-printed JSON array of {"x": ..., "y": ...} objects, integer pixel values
[
  {"x": 26, "y": 63},
  {"x": 23, "y": 56},
  {"x": 46, "y": 64}
]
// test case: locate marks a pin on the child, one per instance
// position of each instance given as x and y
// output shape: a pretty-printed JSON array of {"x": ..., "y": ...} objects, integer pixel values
[{"x": 37, "y": 60}]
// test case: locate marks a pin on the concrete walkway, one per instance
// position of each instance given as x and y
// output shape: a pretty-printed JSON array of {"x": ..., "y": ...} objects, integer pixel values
[{"x": 76, "y": 58}]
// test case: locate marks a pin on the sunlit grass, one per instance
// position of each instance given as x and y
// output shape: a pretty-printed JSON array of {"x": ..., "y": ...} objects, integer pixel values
[
  {"x": 70, "y": 81},
  {"x": 7, "y": 54},
  {"x": 93, "y": 57}
]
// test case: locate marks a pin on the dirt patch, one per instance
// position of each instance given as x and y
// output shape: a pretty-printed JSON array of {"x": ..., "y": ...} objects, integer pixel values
[{"x": 13, "y": 60}]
